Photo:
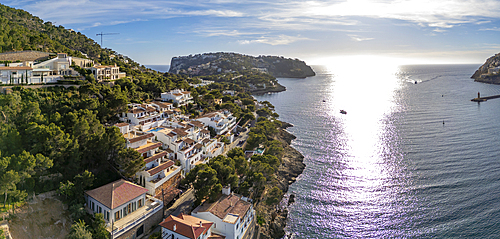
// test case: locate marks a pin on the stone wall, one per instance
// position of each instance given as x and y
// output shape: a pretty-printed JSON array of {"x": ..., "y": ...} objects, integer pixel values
[
  {"x": 172, "y": 182},
  {"x": 24, "y": 56},
  {"x": 148, "y": 224}
]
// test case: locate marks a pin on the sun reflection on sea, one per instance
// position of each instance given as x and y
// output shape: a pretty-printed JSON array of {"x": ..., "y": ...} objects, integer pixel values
[{"x": 364, "y": 87}]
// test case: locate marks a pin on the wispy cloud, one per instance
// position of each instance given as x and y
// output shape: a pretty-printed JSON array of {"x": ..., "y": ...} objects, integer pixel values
[
  {"x": 274, "y": 40},
  {"x": 358, "y": 38},
  {"x": 319, "y": 15},
  {"x": 223, "y": 32}
]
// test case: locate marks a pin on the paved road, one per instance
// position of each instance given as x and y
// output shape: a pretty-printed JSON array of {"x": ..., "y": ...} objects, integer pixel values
[{"x": 182, "y": 205}]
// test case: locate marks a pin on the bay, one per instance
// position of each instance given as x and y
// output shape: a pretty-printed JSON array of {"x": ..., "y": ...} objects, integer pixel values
[{"x": 413, "y": 157}]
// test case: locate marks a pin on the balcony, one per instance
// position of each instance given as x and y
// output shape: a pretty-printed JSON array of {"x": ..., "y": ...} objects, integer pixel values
[{"x": 133, "y": 219}]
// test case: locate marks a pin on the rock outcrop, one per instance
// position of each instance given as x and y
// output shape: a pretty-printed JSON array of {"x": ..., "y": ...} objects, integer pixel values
[
  {"x": 291, "y": 167},
  {"x": 489, "y": 72},
  {"x": 223, "y": 62}
]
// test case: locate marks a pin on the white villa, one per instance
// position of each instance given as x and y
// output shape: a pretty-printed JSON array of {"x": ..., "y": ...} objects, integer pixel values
[
  {"x": 160, "y": 173},
  {"x": 45, "y": 72},
  {"x": 178, "y": 96},
  {"x": 15, "y": 75},
  {"x": 102, "y": 72},
  {"x": 222, "y": 121},
  {"x": 189, "y": 141},
  {"x": 233, "y": 215},
  {"x": 148, "y": 115},
  {"x": 187, "y": 227},
  {"x": 127, "y": 210}
]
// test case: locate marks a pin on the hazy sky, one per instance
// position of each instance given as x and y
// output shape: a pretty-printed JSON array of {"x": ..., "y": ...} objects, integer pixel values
[{"x": 152, "y": 32}]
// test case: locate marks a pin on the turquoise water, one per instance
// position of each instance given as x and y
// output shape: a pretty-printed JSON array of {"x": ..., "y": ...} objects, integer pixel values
[
  {"x": 155, "y": 129},
  {"x": 406, "y": 161},
  {"x": 260, "y": 150}
]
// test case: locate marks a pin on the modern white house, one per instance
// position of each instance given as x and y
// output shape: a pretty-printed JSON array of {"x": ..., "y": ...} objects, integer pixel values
[
  {"x": 233, "y": 215},
  {"x": 15, "y": 75},
  {"x": 160, "y": 173},
  {"x": 102, "y": 72},
  {"x": 127, "y": 210},
  {"x": 178, "y": 96},
  {"x": 187, "y": 227},
  {"x": 222, "y": 121},
  {"x": 147, "y": 116},
  {"x": 48, "y": 71}
]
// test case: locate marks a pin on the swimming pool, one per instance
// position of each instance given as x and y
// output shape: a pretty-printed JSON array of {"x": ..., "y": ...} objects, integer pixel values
[{"x": 155, "y": 129}]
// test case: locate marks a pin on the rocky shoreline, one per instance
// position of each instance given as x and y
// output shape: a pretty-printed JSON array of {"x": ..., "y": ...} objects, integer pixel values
[
  {"x": 275, "y": 89},
  {"x": 292, "y": 166}
]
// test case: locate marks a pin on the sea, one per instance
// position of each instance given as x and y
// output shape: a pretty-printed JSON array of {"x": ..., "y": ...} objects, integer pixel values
[
  {"x": 159, "y": 68},
  {"x": 412, "y": 157}
]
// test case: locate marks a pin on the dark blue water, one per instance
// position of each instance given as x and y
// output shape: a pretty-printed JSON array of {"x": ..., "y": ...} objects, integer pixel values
[
  {"x": 390, "y": 167},
  {"x": 159, "y": 68}
]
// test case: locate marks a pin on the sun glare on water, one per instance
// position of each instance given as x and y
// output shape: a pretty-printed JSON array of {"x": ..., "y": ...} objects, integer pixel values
[{"x": 364, "y": 86}]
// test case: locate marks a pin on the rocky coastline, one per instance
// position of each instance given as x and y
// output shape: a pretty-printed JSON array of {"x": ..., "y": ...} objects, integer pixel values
[
  {"x": 291, "y": 167},
  {"x": 489, "y": 72}
]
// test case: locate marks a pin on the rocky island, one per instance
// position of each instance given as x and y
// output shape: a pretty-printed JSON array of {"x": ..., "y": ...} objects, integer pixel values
[
  {"x": 489, "y": 72},
  {"x": 222, "y": 62}
]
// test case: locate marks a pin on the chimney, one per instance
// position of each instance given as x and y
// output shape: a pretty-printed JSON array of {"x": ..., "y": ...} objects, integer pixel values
[
  {"x": 226, "y": 190},
  {"x": 201, "y": 224}
]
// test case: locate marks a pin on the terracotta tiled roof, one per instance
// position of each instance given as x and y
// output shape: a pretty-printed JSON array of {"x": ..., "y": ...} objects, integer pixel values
[
  {"x": 177, "y": 94},
  {"x": 186, "y": 92},
  {"x": 205, "y": 131},
  {"x": 160, "y": 168},
  {"x": 206, "y": 141},
  {"x": 117, "y": 193},
  {"x": 226, "y": 204},
  {"x": 180, "y": 132},
  {"x": 187, "y": 225},
  {"x": 198, "y": 146},
  {"x": 189, "y": 141},
  {"x": 135, "y": 111},
  {"x": 146, "y": 149},
  {"x": 162, "y": 104},
  {"x": 197, "y": 123},
  {"x": 154, "y": 157},
  {"x": 216, "y": 236},
  {"x": 142, "y": 137},
  {"x": 121, "y": 124}
]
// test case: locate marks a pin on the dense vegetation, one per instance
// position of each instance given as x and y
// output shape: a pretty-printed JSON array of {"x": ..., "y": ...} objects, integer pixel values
[{"x": 59, "y": 138}]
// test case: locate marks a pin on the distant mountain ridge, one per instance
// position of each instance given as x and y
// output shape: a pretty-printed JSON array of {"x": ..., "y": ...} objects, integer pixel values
[
  {"x": 224, "y": 62},
  {"x": 489, "y": 72}
]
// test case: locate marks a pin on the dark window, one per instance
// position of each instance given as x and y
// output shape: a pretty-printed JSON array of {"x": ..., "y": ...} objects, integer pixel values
[{"x": 139, "y": 231}]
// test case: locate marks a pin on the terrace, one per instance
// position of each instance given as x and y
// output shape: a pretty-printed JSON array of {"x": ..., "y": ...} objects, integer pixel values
[{"x": 152, "y": 205}]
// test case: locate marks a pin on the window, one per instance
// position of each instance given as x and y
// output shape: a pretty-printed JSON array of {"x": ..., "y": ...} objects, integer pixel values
[
  {"x": 117, "y": 216},
  {"x": 140, "y": 202}
]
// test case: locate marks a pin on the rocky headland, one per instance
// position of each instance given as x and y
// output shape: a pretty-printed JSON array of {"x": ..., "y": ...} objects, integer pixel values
[
  {"x": 489, "y": 72},
  {"x": 223, "y": 62},
  {"x": 291, "y": 167}
]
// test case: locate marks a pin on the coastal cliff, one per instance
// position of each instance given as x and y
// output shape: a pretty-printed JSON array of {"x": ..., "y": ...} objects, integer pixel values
[
  {"x": 222, "y": 62},
  {"x": 489, "y": 72},
  {"x": 291, "y": 167}
]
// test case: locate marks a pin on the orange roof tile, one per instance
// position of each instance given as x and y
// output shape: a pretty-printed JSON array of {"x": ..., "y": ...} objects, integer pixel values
[
  {"x": 146, "y": 149},
  {"x": 115, "y": 194},
  {"x": 187, "y": 225},
  {"x": 156, "y": 156},
  {"x": 160, "y": 168},
  {"x": 142, "y": 137}
]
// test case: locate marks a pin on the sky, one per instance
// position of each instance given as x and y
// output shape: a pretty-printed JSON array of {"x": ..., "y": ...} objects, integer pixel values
[{"x": 409, "y": 31}]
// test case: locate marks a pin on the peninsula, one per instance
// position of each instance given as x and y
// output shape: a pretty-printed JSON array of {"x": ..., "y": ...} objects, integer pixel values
[
  {"x": 228, "y": 62},
  {"x": 489, "y": 72}
]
